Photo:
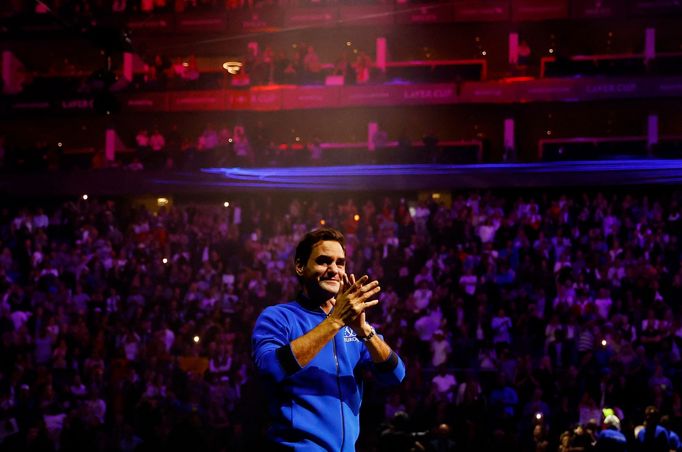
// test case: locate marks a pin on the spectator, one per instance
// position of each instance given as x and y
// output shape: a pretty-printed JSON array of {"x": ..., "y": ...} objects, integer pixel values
[
  {"x": 311, "y": 66},
  {"x": 501, "y": 328},
  {"x": 422, "y": 296},
  {"x": 440, "y": 349},
  {"x": 156, "y": 141},
  {"x": 444, "y": 384},
  {"x": 363, "y": 68},
  {"x": 588, "y": 409},
  {"x": 242, "y": 148},
  {"x": 652, "y": 436},
  {"x": 610, "y": 438},
  {"x": 142, "y": 140},
  {"x": 524, "y": 57},
  {"x": 208, "y": 140}
]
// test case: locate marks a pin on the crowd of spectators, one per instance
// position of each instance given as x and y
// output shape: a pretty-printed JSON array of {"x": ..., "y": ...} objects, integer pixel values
[
  {"x": 266, "y": 66},
  {"x": 221, "y": 145},
  {"x": 304, "y": 67},
  {"x": 215, "y": 146},
  {"x": 527, "y": 321}
]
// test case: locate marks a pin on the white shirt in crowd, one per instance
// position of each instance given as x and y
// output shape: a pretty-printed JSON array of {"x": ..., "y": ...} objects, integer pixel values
[
  {"x": 41, "y": 221},
  {"x": 440, "y": 349},
  {"x": 428, "y": 324},
  {"x": 444, "y": 384},
  {"x": 468, "y": 282},
  {"x": 486, "y": 232},
  {"x": 422, "y": 298},
  {"x": 603, "y": 305}
]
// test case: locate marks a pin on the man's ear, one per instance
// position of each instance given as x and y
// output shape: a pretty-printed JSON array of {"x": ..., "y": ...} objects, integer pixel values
[{"x": 299, "y": 267}]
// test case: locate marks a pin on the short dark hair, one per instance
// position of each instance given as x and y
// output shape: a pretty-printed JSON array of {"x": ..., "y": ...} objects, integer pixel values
[{"x": 305, "y": 246}]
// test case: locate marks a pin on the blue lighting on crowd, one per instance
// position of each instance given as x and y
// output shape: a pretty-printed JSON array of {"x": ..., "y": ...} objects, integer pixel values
[{"x": 634, "y": 171}]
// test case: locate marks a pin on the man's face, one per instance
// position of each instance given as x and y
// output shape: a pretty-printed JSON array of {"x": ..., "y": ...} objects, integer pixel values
[{"x": 322, "y": 275}]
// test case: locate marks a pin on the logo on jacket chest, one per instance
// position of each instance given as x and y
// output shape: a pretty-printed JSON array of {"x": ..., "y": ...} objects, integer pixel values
[{"x": 349, "y": 335}]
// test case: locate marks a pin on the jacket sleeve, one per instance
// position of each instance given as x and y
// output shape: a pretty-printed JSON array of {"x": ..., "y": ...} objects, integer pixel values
[
  {"x": 390, "y": 372},
  {"x": 271, "y": 348}
]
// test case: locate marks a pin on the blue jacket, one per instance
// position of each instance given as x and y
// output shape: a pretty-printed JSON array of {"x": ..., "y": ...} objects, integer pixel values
[
  {"x": 610, "y": 440},
  {"x": 674, "y": 441},
  {"x": 659, "y": 441},
  {"x": 316, "y": 407}
]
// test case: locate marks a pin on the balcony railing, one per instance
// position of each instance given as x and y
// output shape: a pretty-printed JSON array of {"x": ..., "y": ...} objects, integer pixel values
[
  {"x": 624, "y": 64},
  {"x": 600, "y": 148}
]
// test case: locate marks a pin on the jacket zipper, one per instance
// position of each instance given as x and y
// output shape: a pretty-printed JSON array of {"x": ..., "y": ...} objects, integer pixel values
[{"x": 338, "y": 384}]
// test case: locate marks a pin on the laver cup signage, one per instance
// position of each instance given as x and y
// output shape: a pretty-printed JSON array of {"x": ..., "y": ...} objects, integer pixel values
[
  {"x": 595, "y": 8},
  {"x": 366, "y": 15},
  {"x": 310, "y": 97},
  {"x": 197, "y": 100},
  {"x": 425, "y": 14},
  {"x": 202, "y": 22},
  {"x": 159, "y": 21},
  {"x": 146, "y": 102},
  {"x": 439, "y": 94},
  {"x": 656, "y": 6},
  {"x": 312, "y": 17},
  {"x": 260, "y": 19},
  {"x": 539, "y": 9},
  {"x": 481, "y": 11}
]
